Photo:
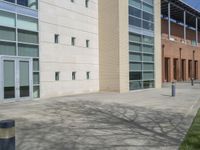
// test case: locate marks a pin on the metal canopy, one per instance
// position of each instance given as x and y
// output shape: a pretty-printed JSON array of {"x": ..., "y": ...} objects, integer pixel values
[{"x": 177, "y": 12}]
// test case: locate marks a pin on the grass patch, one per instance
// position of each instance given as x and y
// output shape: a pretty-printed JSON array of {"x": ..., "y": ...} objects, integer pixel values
[{"x": 192, "y": 139}]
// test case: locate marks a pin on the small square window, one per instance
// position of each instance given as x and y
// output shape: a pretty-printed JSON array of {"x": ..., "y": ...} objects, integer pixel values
[
  {"x": 87, "y": 75},
  {"x": 72, "y": 1},
  {"x": 86, "y": 3},
  {"x": 56, "y": 38},
  {"x": 73, "y": 41},
  {"x": 87, "y": 43},
  {"x": 57, "y": 76},
  {"x": 73, "y": 75}
]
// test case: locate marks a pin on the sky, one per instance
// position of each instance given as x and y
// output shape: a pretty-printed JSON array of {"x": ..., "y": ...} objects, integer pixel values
[{"x": 193, "y": 3}]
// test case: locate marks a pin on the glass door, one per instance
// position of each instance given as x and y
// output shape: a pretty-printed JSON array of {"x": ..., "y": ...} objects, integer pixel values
[
  {"x": 9, "y": 79},
  {"x": 16, "y": 78},
  {"x": 24, "y": 79}
]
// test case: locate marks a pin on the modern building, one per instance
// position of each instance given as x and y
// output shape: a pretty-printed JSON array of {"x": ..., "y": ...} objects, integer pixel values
[
  {"x": 48, "y": 48},
  {"x": 180, "y": 41},
  {"x": 57, "y": 48},
  {"x": 130, "y": 44}
]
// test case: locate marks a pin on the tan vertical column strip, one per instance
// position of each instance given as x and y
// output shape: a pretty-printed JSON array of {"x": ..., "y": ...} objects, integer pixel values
[{"x": 158, "y": 56}]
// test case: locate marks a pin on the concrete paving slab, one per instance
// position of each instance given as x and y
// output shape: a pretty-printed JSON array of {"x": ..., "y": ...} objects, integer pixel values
[{"x": 142, "y": 120}]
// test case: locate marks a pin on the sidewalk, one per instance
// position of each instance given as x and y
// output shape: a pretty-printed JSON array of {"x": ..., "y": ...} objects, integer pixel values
[{"x": 142, "y": 120}]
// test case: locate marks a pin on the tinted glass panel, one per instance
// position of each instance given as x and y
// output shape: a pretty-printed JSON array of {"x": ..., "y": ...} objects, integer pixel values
[
  {"x": 148, "y": 16},
  {"x": 28, "y": 50},
  {"x": 135, "y": 75},
  {"x": 9, "y": 79},
  {"x": 148, "y": 75},
  {"x": 28, "y": 3},
  {"x": 135, "y": 21},
  {"x": 27, "y": 23},
  {"x": 135, "y": 85},
  {"x": 135, "y": 66},
  {"x": 7, "y": 48},
  {"x": 135, "y": 47},
  {"x": 148, "y": 49},
  {"x": 7, "y": 34},
  {"x": 148, "y": 8},
  {"x": 135, "y": 37},
  {"x": 135, "y": 57},
  {"x": 148, "y": 84},
  {"x": 148, "y": 66},
  {"x": 135, "y": 12},
  {"x": 7, "y": 19},
  {"x": 135, "y": 3},
  {"x": 24, "y": 79},
  {"x": 27, "y": 36},
  {"x": 12, "y": 1},
  {"x": 148, "y": 25},
  {"x": 149, "y": 58}
]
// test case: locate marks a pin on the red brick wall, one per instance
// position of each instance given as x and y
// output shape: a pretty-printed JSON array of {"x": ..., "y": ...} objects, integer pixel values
[{"x": 171, "y": 49}]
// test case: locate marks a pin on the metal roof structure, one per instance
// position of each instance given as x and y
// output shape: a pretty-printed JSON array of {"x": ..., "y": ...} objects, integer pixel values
[{"x": 177, "y": 9}]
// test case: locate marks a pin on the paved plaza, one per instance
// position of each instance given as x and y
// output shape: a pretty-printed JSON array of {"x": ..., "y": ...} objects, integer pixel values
[{"x": 142, "y": 120}]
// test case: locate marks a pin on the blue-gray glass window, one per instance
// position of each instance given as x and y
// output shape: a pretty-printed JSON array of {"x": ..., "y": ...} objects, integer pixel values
[
  {"x": 147, "y": 8},
  {"x": 7, "y": 19},
  {"x": 135, "y": 3},
  {"x": 36, "y": 78},
  {"x": 148, "y": 25},
  {"x": 28, "y": 50},
  {"x": 150, "y": 2},
  {"x": 141, "y": 46},
  {"x": 7, "y": 34},
  {"x": 12, "y": 1},
  {"x": 27, "y": 23},
  {"x": 148, "y": 75},
  {"x": 148, "y": 39},
  {"x": 135, "y": 37},
  {"x": 148, "y": 49},
  {"x": 135, "y": 47},
  {"x": 148, "y": 57},
  {"x": 148, "y": 16},
  {"x": 135, "y": 66},
  {"x": 148, "y": 67},
  {"x": 135, "y": 57},
  {"x": 36, "y": 91},
  {"x": 135, "y": 12},
  {"x": 135, "y": 21},
  {"x": 148, "y": 84},
  {"x": 33, "y": 4},
  {"x": 27, "y": 36},
  {"x": 135, "y": 85},
  {"x": 135, "y": 75},
  {"x": 7, "y": 48},
  {"x": 35, "y": 65}
]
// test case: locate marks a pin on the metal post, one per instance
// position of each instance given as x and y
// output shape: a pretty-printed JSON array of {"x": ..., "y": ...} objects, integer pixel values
[
  {"x": 192, "y": 81},
  {"x": 185, "y": 27},
  {"x": 197, "y": 36},
  {"x": 7, "y": 135},
  {"x": 173, "y": 89},
  {"x": 169, "y": 20}
]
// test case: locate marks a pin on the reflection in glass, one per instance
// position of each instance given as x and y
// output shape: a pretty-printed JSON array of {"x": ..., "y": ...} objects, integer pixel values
[
  {"x": 9, "y": 79},
  {"x": 24, "y": 79}
]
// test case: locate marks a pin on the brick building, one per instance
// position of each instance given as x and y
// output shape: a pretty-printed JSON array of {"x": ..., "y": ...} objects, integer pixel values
[{"x": 180, "y": 41}]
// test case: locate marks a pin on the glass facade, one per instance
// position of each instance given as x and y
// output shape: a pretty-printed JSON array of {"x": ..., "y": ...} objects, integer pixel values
[
  {"x": 19, "y": 37},
  {"x": 141, "y": 44},
  {"x": 33, "y": 4}
]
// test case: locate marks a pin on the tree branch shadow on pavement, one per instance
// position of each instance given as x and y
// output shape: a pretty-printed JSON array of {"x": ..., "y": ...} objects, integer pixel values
[{"x": 86, "y": 125}]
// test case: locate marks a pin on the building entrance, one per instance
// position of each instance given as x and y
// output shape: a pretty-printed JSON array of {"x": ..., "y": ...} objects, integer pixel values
[{"x": 16, "y": 78}]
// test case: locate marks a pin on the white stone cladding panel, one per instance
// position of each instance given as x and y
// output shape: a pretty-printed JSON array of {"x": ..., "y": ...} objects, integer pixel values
[{"x": 68, "y": 20}]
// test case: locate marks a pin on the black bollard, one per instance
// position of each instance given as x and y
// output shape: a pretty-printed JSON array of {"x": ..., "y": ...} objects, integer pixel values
[
  {"x": 7, "y": 135},
  {"x": 173, "y": 89},
  {"x": 192, "y": 81}
]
